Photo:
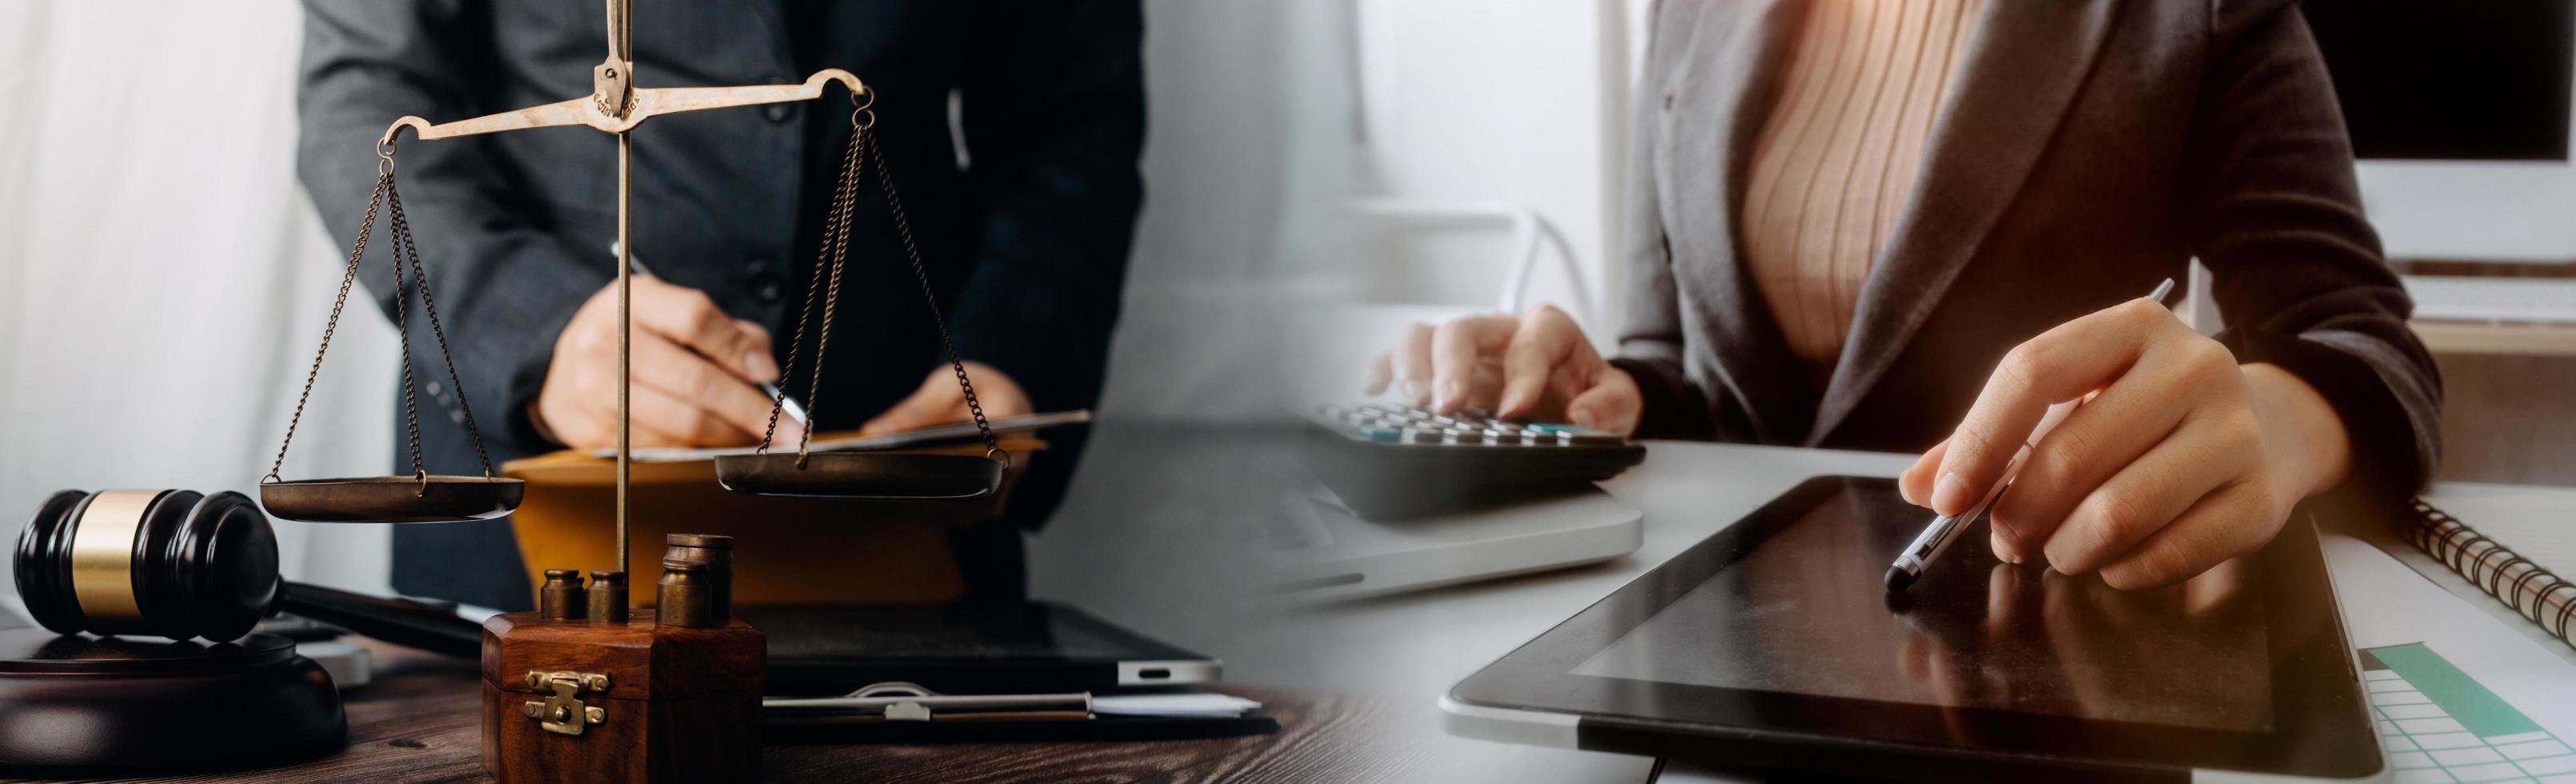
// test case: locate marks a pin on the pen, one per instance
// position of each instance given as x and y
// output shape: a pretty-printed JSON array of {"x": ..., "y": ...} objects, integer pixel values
[
  {"x": 1944, "y": 530},
  {"x": 794, "y": 410}
]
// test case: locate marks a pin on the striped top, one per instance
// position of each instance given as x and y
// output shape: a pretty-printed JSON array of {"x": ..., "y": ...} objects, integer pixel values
[{"x": 1837, "y": 157}]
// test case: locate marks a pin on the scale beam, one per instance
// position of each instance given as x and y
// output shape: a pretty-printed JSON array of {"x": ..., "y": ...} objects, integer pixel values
[
  {"x": 615, "y": 106},
  {"x": 648, "y": 102}
]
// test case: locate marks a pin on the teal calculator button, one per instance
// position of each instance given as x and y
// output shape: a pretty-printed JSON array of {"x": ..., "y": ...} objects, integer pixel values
[{"x": 1383, "y": 434}]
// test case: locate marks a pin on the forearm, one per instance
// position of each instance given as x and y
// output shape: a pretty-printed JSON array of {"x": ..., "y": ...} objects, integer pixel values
[
  {"x": 2303, "y": 438},
  {"x": 1054, "y": 115},
  {"x": 2296, "y": 267}
]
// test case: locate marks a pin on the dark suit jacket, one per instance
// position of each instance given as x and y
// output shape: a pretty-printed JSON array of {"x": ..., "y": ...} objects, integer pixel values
[
  {"x": 1027, "y": 246},
  {"x": 2089, "y": 149}
]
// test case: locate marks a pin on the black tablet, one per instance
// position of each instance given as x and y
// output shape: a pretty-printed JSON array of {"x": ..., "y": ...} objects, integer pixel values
[{"x": 1773, "y": 645}]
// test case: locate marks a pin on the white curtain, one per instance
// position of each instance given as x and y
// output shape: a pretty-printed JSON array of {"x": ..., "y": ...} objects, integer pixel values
[{"x": 163, "y": 279}]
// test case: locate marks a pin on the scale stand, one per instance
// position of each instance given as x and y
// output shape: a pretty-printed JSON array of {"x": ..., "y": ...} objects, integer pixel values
[{"x": 591, "y": 690}]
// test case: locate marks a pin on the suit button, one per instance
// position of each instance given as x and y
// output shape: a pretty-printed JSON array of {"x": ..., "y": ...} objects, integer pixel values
[
  {"x": 764, "y": 279},
  {"x": 1668, "y": 102},
  {"x": 779, "y": 112}
]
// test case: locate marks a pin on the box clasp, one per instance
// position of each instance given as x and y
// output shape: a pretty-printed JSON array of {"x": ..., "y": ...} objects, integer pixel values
[{"x": 561, "y": 712}]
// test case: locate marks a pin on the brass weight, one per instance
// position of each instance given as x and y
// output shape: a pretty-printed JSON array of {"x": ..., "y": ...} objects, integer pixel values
[
  {"x": 560, "y": 599},
  {"x": 607, "y": 596}
]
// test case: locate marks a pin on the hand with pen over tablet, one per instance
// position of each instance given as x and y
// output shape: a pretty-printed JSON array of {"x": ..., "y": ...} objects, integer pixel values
[{"x": 2178, "y": 459}]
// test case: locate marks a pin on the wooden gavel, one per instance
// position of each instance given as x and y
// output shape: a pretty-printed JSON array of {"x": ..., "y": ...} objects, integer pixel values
[{"x": 182, "y": 564}]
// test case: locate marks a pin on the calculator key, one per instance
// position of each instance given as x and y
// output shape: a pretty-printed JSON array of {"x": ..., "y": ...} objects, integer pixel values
[
  {"x": 1422, "y": 435},
  {"x": 1457, "y": 436},
  {"x": 1381, "y": 433},
  {"x": 1553, "y": 427},
  {"x": 1501, "y": 436}
]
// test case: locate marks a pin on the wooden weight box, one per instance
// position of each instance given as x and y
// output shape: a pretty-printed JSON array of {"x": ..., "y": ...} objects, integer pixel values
[{"x": 580, "y": 700}]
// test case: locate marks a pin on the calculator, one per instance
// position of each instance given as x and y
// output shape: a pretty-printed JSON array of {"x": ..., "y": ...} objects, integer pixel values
[{"x": 1388, "y": 461}]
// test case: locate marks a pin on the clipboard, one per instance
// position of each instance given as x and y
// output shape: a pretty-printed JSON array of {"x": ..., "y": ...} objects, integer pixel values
[{"x": 805, "y": 551}]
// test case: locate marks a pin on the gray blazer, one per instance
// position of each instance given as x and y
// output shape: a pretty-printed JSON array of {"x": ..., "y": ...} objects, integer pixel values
[{"x": 2090, "y": 148}]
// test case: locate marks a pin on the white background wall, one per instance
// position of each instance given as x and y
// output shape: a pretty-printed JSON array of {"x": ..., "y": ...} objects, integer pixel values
[
  {"x": 162, "y": 278},
  {"x": 1519, "y": 103}
]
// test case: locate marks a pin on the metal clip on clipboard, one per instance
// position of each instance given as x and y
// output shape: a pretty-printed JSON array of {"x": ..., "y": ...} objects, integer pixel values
[{"x": 911, "y": 702}]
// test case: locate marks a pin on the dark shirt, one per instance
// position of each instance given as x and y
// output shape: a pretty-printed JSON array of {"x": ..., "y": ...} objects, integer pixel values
[{"x": 1025, "y": 216}]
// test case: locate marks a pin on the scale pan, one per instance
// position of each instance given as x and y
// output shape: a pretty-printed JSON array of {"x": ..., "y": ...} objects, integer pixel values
[
  {"x": 392, "y": 499},
  {"x": 898, "y": 476}
]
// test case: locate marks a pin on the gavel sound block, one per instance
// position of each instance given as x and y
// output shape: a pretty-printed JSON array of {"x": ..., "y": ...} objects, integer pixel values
[{"x": 94, "y": 693}]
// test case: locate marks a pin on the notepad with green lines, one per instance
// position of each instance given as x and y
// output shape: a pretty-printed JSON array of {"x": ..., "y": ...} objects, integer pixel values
[{"x": 2440, "y": 725}]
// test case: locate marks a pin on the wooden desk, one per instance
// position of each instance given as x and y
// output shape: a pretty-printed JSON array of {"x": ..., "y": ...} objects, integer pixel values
[{"x": 416, "y": 722}]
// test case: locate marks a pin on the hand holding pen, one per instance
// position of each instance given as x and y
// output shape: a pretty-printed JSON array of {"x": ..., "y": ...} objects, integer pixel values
[
  {"x": 698, "y": 373},
  {"x": 2180, "y": 460},
  {"x": 1954, "y": 518}
]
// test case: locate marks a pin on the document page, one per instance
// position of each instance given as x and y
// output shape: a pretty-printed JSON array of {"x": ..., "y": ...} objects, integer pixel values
[{"x": 2459, "y": 696}]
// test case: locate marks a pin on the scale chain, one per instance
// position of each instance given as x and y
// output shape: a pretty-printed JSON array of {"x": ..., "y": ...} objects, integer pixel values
[
  {"x": 840, "y": 244},
  {"x": 912, "y": 250},
  {"x": 388, "y": 199},
  {"x": 420, "y": 277},
  {"x": 835, "y": 223},
  {"x": 835, "y": 248},
  {"x": 384, "y": 182},
  {"x": 402, "y": 330}
]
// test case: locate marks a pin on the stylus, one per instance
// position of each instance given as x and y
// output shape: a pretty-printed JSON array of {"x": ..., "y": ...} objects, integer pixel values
[
  {"x": 1937, "y": 537},
  {"x": 787, "y": 404}
]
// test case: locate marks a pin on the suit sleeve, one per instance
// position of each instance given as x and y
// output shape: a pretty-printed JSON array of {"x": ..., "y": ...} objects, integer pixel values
[
  {"x": 1053, "y": 113},
  {"x": 1650, "y": 341},
  {"x": 2299, "y": 275},
  {"x": 504, "y": 288}
]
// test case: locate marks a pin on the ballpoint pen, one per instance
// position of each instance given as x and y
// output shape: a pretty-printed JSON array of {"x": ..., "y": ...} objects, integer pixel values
[
  {"x": 1944, "y": 530},
  {"x": 787, "y": 404}
]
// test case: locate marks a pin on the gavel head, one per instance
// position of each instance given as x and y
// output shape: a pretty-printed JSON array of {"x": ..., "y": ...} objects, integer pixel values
[{"x": 174, "y": 563}]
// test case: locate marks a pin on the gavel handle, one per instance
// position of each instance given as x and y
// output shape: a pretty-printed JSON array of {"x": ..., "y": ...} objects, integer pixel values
[{"x": 399, "y": 621}]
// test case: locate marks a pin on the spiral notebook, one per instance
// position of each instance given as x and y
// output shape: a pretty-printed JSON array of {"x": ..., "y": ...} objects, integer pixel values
[{"x": 2521, "y": 566}]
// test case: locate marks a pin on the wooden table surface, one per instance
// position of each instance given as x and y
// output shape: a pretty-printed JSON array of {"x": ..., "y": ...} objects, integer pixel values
[{"x": 416, "y": 722}]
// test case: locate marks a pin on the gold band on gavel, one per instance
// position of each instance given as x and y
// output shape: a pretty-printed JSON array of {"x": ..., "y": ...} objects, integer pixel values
[{"x": 103, "y": 560}]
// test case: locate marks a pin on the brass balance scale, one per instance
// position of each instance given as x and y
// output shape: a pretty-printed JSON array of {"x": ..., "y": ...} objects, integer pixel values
[{"x": 578, "y": 691}]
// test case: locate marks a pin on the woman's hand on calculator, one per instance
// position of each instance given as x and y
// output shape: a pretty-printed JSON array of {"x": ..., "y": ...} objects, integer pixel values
[{"x": 1534, "y": 366}]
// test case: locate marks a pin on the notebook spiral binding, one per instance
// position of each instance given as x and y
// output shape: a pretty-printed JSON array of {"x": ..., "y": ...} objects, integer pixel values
[{"x": 2535, "y": 593}]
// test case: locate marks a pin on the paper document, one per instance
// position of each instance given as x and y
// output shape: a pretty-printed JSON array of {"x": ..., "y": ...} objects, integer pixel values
[
  {"x": 927, "y": 435},
  {"x": 2458, "y": 695},
  {"x": 1198, "y": 705}
]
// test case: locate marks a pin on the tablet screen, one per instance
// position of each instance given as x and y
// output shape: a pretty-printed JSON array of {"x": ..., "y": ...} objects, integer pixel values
[
  {"x": 1773, "y": 644},
  {"x": 1803, "y": 612}
]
